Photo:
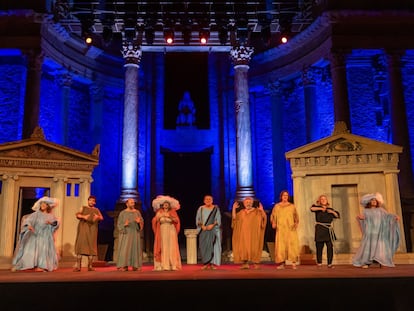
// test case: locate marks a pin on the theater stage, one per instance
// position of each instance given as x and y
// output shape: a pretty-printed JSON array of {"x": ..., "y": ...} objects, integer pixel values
[{"x": 228, "y": 288}]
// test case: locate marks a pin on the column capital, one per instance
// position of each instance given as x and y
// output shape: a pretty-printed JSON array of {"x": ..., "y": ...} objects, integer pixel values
[
  {"x": 65, "y": 79},
  {"x": 241, "y": 55},
  {"x": 34, "y": 59},
  {"x": 308, "y": 75},
  {"x": 132, "y": 53},
  {"x": 274, "y": 87},
  {"x": 338, "y": 58}
]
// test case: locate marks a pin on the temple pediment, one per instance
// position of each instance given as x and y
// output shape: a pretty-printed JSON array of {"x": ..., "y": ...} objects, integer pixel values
[
  {"x": 37, "y": 152},
  {"x": 345, "y": 151}
]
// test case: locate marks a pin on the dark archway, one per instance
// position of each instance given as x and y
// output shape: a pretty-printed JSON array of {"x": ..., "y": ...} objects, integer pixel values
[{"x": 187, "y": 177}]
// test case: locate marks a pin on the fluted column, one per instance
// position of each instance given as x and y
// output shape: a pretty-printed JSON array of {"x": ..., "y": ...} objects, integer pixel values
[
  {"x": 309, "y": 85},
  {"x": 278, "y": 146},
  {"x": 7, "y": 212},
  {"x": 65, "y": 82},
  {"x": 132, "y": 55},
  {"x": 340, "y": 88},
  {"x": 32, "y": 96},
  {"x": 241, "y": 56}
]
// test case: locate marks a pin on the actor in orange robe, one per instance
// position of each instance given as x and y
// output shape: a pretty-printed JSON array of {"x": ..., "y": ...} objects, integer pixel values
[{"x": 249, "y": 224}]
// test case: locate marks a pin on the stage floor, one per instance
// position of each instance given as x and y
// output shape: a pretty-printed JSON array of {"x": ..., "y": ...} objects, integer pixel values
[
  {"x": 228, "y": 288},
  {"x": 194, "y": 272}
]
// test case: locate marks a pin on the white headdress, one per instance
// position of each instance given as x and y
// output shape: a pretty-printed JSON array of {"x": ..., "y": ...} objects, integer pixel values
[
  {"x": 160, "y": 199},
  {"x": 368, "y": 197},
  {"x": 53, "y": 202}
]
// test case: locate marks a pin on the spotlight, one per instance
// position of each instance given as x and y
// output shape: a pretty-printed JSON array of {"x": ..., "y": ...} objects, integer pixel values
[
  {"x": 130, "y": 31},
  {"x": 242, "y": 31},
  {"x": 130, "y": 34},
  {"x": 86, "y": 31},
  {"x": 285, "y": 23},
  {"x": 186, "y": 32},
  {"x": 223, "y": 35},
  {"x": 88, "y": 39},
  {"x": 284, "y": 37},
  {"x": 169, "y": 36},
  {"x": 204, "y": 35},
  {"x": 107, "y": 34},
  {"x": 149, "y": 35}
]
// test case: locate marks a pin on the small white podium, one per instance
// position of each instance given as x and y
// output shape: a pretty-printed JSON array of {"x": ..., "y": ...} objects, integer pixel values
[{"x": 191, "y": 240}]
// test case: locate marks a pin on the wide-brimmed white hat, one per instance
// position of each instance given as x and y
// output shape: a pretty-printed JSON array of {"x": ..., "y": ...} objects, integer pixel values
[
  {"x": 368, "y": 197},
  {"x": 160, "y": 199},
  {"x": 52, "y": 202}
]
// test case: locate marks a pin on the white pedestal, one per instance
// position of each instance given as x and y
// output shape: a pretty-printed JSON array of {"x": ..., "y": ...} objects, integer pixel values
[{"x": 191, "y": 235}]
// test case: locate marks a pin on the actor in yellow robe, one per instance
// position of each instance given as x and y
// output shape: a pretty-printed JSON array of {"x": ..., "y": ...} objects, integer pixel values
[
  {"x": 249, "y": 224},
  {"x": 285, "y": 220}
]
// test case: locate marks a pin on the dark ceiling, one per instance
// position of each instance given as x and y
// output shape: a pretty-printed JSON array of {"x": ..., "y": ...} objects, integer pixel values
[{"x": 228, "y": 23}]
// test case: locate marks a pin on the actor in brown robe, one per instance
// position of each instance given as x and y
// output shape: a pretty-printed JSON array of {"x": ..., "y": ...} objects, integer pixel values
[
  {"x": 87, "y": 235},
  {"x": 249, "y": 224}
]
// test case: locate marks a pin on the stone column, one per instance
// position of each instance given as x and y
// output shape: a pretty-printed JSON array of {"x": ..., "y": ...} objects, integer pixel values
[
  {"x": 191, "y": 239},
  {"x": 7, "y": 213},
  {"x": 305, "y": 229},
  {"x": 241, "y": 56},
  {"x": 65, "y": 82},
  {"x": 400, "y": 136},
  {"x": 278, "y": 147},
  {"x": 32, "y": 96},
  {"x": 340, "y": 88},
  {"x": 132, "y": 55},
  {"x": 310, "y": 103},
  {"x": 58, "y": 191},
  {"x": 399, "y": 125}
]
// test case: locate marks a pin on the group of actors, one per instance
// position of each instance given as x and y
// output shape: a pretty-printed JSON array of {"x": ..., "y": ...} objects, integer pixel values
[{"x": 36, "y": 244}]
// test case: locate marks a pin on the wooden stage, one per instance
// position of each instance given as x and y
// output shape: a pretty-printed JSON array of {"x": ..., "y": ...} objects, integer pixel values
[{"x": 228, "y": 288}]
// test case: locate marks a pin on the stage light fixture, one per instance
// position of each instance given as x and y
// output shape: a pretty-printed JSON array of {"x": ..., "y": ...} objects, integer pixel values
[
  {"x": 223, "y": 35},
  {"x": 149, "y": 35},
  {"x": 107, "y": 34},
  {"x": 186, "y": 33},
  {"x": 204, "y": 35},
  {"x": 86, "y": 30},
  {"x": 169, "y": 36},
  {"x": 284, "y": 38}
]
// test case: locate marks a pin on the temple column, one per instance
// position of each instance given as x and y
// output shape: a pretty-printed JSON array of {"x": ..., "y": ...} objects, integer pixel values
[
  {"x": 340, "y": 88},
  {"x": 399, "y": 125},
  {"x": 58, "y": 191},
  {"x": 132, "y": 56},
  {"x": 7, "y": 216},
  {"x": 241, "y": 56},
  {"x": 65, "y": 83},
  {"x": 310, "y": 103},
  {"x": 278, "y": 148},
  {"x": 32, "y": 96},
  {"x": 400, "y": 137}
]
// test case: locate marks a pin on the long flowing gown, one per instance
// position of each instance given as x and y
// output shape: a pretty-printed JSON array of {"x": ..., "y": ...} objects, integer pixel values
[
  {"x": 380, "y": 238},
  {"x": 129, "y": 245},
  {"x": 248, "y": 235},
  {"x": 209, "y": 240},
  {"x": 166, "y": 248},
  {"x": 287, "y": 241},
  {"x": 37, "y": 249}
]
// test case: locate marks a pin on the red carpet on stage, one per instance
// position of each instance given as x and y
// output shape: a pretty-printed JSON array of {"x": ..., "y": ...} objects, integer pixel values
[{"x": 228, "y": 288}]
